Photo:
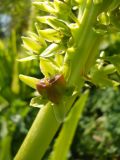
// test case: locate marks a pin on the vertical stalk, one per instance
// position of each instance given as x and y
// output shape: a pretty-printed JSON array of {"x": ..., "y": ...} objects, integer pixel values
[
  {"x": 5, "y": 149},
  {"x": 86, "y": 39},
  {"x": 41, "y": 133},
  {"x": 39, "y": 136}
]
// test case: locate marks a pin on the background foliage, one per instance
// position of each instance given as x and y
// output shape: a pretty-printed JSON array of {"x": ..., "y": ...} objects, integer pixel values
[{"x": 98, "y": 132}]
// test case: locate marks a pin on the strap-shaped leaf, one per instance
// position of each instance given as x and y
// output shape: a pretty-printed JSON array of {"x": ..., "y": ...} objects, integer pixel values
[
  {"x": 30, "y": 58},
  {"x": 31, "y": 44},
  {"x": 52, "y": 50},
  {"x": 3, "y": 103},
  {"x": 45, "y": 6},
  {"x": 41, "y": 39},
  {"x": 30, "y": 81},
  {"x": 64, "y": 7},
  {"x": 55, "y": 23},
  {"x": 48, "y": 68},
  {"x": 59, "y": 59},
  {"x": 33, "y": 35},
  {"x": 65, "y": 137},
  {"x": 50, "y": 35}
]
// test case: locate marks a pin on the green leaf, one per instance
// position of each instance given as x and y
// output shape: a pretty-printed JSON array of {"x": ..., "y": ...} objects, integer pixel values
[
  {"x": 55, "y": 23},
  {"x": 50, "y": 35},
  {"x": 45, "y": 6},
  {"x": 115, "y": 60},
  {"x": 48, "y": 68},
  {"x": 52, "y": 50},
  {"x": 64, "y": 140},
  {"x": 38, "y": 102},
  {"x": 30, "y": 81},
  {"x": 100, "y": 78},
  {"x": 32, "y": 45},
  {"x": 41, "y": 39},
  {"x": 59, "y": 59},
  {"x": 33, "y": 35},
  {"x": 3, "y": 103},
  {"x": 30, "y": 58},
  {"x": 1, "y": 45},
  {"x": 62, "y": 6}
]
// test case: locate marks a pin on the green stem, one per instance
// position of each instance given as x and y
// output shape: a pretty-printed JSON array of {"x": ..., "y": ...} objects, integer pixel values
[
  {"x": 80, "y": 57},
  {"x": 5, "y": 149},
  {"x": 40, "y": 134},
  {"x": 86, "y": 39}
]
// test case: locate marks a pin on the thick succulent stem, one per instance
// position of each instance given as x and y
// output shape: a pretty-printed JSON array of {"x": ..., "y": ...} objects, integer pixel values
[
  {"x": 86, "y": 39},
  {"x": 40, "y": 134}
]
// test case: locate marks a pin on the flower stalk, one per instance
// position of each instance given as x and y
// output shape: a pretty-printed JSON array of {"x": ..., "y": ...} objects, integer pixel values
[{"x": 78, "y": 45}]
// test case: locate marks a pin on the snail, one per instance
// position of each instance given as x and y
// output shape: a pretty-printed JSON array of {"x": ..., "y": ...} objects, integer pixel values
[{"x": 52, "y": 88}]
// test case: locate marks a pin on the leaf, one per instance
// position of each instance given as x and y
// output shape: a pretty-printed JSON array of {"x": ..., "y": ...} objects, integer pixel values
[
  {"x": 27, "y": 58},
  {"x": 48, "y": 68},
  {"x": 44, "y": 6},
  {"x": 2, "y": 47},
  {"x": 59, "y": 59},
  {"x": 15, "y": 86},
  {"x": 55, "y": 23},
  {"x": 31, "y": 44},
  {"x": 3, "y": 103},
  {"x": 50, "y": 35},
  {"x": 60, "y": 26},
  {"x": 62, "y": 6},
  {"x": 41, "y": 39},
  {"x": 38, "y": 102},
  {"x": 115, "y": 60},
  {"x": 33, "y": 35},
  {"x": 100, "y": 78},
  {"x": 30, "y": 81},
  {"x": 64, "y": 140},
  {"x": 52, "y": 50}
]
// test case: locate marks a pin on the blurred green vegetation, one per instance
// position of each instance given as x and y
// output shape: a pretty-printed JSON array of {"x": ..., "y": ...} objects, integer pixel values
[
  {"x": 19, "y": 13},
  {"x": 98, "y": 132},
  {"x": 15, "y": 114}
]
